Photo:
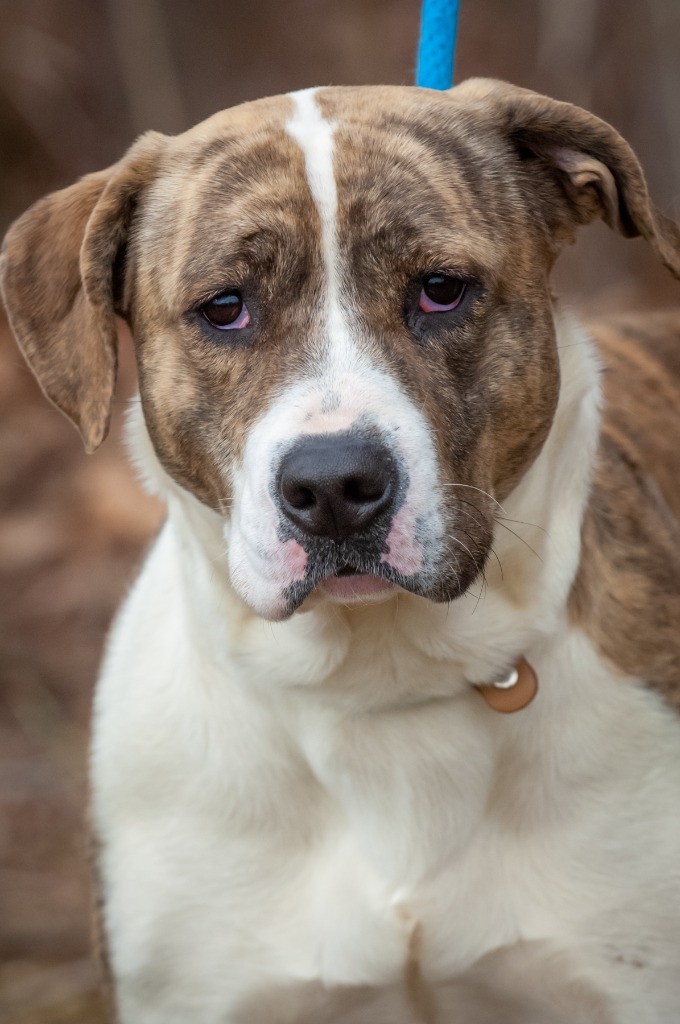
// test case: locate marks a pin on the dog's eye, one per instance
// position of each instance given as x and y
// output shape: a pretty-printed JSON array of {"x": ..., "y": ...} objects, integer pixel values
[
  {"x": 441, "y": 293},
  {"x": 226, "y": 312}
]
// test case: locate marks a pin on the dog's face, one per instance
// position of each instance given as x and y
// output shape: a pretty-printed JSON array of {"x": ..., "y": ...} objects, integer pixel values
[
  {"x": 349, "y": 341},
  {"x": 342, "y": 318}
]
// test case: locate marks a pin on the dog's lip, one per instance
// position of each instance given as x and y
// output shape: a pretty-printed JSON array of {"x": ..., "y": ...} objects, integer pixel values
[{"x": 355, "y": 586}]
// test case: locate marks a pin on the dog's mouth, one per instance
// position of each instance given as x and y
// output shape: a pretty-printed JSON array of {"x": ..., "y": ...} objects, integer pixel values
[
  {"x": 353, "y": 574},
  {"x": 352, "y": 585},
  {"x": 346, "y": 580}
]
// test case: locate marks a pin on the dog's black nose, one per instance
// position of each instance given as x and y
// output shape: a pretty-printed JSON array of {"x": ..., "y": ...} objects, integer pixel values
[{"x": 335, "y": 485}]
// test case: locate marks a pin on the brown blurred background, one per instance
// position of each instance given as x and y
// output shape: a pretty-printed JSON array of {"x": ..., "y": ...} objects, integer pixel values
[{"x": 79, "y": 79}]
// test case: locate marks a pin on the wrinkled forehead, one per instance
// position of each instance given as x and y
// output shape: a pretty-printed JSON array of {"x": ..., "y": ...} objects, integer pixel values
[
  {"x": 403, "y": 169},
  {"x": 415, "y": 159}
]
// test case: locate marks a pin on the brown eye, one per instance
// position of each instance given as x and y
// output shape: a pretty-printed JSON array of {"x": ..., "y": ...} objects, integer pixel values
[
  {"x": 441, "y": 292},
  {"x": 226, "y": 312}
]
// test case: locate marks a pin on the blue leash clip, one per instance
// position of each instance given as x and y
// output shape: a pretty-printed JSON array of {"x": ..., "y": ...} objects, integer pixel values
[{"x": 438, "y": 25}]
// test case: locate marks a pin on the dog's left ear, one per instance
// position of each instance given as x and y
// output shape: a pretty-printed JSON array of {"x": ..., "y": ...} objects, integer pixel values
[
  {"x": 597, "y": 172},
  {"x": 60, "y": 278}
]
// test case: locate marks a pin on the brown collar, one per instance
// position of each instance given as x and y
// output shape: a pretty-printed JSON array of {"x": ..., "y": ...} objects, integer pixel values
[{"x": 512, "y": 693}]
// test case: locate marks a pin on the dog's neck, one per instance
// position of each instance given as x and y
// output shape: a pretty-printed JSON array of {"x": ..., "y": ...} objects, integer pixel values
[{"x": 521, "y": 601}]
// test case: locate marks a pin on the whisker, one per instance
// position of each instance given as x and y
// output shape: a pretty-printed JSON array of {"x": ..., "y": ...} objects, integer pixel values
[
  {"x": 466, "y": 548},
  {"x": 482, "y": 593},
  {"x": 520, "y": 522},
  {"x": 505, "y": 518},
  {"x": 493, "y": 552},
  {"x": 456, "y": 508},
  {"x": 477, "y": 523},
  {"x": 479, "y": 489},
  {"x": 526, "y": 543}
]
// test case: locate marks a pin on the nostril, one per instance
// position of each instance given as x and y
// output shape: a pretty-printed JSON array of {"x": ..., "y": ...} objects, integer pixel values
[
  {"x": 300, "y": 497},
  {"x": 362, "y": 491}
]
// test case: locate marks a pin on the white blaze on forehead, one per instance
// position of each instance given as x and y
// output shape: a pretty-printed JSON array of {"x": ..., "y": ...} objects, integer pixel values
[{"x": 314, "y": 134}]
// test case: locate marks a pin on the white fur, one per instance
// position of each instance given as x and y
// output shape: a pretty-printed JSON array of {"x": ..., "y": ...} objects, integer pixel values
[
  {"x": 283, "y": 805},
  {"x": 343, "y": 387},
  {"x": 314, "y": 135}
]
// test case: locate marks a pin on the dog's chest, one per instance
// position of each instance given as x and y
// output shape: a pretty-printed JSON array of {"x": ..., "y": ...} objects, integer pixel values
[
  {"x": 365, "y": 878},
  {"x": 378, "y": 862},
  {"x": 397, "y": 848}
]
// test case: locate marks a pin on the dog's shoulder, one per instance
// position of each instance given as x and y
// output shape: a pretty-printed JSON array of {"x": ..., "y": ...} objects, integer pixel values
[
  {"x": 627, "y": 591},
  {"x": 641, "y": 416}
]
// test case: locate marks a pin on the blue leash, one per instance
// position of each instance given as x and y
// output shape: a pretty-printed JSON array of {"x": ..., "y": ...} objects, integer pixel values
[{"x": 438, "y": 24}]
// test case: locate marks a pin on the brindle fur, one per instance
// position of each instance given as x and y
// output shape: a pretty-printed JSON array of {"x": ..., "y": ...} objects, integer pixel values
[{"x": 627, "y": 592}]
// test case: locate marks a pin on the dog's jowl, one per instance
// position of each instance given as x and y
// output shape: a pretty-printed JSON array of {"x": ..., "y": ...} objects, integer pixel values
[{"x": 394, "y": 471}]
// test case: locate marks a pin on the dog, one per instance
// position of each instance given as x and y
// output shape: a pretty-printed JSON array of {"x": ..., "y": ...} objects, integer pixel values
[{"x": 387, "y": 727}]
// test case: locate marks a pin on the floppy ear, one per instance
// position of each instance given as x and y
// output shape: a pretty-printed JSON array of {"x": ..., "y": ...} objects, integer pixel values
[
  {"x": 596, "y": 170},
  {"x": 58, "y": 277}
]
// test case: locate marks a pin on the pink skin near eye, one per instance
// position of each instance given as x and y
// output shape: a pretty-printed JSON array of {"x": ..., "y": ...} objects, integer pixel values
[
  {"x": 429, "y": 306},
  {"x": 242, "y": 320}
]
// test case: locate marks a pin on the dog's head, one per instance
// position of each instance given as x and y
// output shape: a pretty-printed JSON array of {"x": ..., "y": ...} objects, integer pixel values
[{"x": 342, "y": 318}]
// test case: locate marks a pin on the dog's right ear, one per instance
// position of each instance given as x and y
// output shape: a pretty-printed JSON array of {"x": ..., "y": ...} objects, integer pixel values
[
  {"x": 58, "y": 272},
  {"x": 596, "y": 172}
]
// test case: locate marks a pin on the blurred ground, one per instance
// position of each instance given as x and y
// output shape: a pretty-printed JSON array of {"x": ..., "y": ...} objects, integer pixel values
[{"x": 78, "y": 80}]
